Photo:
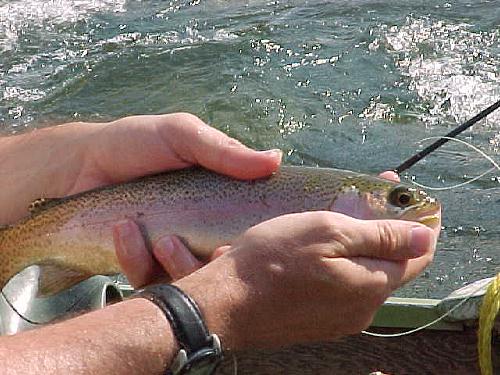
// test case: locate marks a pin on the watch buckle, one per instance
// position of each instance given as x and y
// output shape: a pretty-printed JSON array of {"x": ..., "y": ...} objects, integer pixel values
[
  {"x": 179, "y": 362},
  {"x": 182, "y": 361}
]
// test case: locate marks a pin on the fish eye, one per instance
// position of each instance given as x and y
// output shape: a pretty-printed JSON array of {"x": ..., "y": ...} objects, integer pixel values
[{"x": 402, "y": 197}]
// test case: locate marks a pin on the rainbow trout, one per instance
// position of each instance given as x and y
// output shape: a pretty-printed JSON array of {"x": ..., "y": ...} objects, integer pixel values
[{"x": 71, "y": 238}]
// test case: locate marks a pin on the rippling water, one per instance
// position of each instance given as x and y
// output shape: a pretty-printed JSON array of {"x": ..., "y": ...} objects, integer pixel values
[{"x": 350, "y": 84}]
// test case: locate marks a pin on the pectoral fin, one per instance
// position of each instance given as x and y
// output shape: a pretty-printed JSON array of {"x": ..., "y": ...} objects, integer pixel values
[{"x": 54, "y": 279}]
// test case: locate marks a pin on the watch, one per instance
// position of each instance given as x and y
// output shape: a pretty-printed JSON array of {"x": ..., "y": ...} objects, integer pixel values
[{"x": 200, "y": 352}]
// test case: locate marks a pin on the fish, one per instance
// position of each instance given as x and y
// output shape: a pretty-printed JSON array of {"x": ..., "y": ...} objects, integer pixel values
[{"x": 71, "y": 238}]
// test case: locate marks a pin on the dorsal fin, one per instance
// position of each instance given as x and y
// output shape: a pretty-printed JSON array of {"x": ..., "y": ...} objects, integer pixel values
[{"x": 42, "y": 204}]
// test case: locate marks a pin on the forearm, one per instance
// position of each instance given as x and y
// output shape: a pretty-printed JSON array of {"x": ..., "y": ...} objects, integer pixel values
[
  {"x": 132, "y": 337},
  {"x": 41, "y": 163}
]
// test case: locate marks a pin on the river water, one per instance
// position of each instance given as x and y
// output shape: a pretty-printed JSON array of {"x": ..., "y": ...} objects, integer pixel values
[{"x": 346, "y": 84}]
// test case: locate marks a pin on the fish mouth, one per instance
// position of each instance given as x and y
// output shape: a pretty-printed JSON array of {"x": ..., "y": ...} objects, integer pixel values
[
  {"x": 428, "y": 216},
  {"x": 430, "y": 221}
]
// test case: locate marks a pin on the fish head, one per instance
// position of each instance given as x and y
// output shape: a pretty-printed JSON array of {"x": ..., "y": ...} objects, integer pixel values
[
  {"x": 413, "y": 204},
  {"x": 375, "y": 198}
]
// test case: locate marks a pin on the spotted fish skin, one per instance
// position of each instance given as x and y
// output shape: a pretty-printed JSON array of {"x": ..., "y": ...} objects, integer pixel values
[{"x": 205, "y": 209}]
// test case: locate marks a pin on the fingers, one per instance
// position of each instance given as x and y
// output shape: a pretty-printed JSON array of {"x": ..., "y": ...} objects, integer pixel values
[
  {"x": 390, "y": 175},
  {"x": 174, "y": 257},
  {"x": 387, "y": 239},
  {"x": 177, "y": 260},
  {"x": 133, "y": 255},
  {"x": 197, "y": 143},
  {"x": 415, "y": 267},
  {"x": 378, "y": 276},
  {"x": 399, "y": 248},
  {"x": 345, "y": 236},
  {"x": 384, "y": 275},
  {"x": 339, "y": 235},
  {"x": 140, "y": 267}
]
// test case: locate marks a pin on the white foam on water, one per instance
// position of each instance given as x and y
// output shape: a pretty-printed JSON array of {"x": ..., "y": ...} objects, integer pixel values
[
  {"x": 190, "y": 35},
  {"x": 16, "y": 16},
  {"x": 19, "y": 15},
  {"x": 453, "y": 68},
  {"x": 24, "y": 95}
]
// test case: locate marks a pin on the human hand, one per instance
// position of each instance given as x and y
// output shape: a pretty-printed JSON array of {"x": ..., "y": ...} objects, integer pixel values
[
  {"x": 306, "y": 277},
  {"x": 71, "y": 158}
]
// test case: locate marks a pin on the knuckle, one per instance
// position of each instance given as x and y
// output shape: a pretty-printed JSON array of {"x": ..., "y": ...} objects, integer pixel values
[
  {"x": 187, "y": 117},
  {"x": 320, "y": 219},
  {"x": 328, "y": 229},
  {"x": 388, "y": 239},
  {"x": 182, "y": 121},
  {"x": 322, "y": 222}
]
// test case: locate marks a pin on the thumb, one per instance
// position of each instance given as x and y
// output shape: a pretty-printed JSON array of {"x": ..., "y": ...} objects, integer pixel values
[{"x": 386, "y": 239}]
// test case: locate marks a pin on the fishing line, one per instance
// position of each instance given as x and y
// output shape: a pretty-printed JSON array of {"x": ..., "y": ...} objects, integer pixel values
[
  {"x": 427, "y": 325},
  {"x": 459, "y": 129},
  {"x": 496, "y": 166},
  {"x": 482, "y": 153}
]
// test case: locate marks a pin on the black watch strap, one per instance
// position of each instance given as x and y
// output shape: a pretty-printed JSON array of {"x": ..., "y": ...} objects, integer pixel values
[{"x": 188, "y": 326}]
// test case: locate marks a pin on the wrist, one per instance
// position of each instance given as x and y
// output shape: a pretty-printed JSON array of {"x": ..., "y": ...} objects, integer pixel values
[
  {"x": 221, "y": 300},
  {"x": 39, "y": 164},
  {"x": 200, "y": 351},
  {"x": 164, "y": 346}
]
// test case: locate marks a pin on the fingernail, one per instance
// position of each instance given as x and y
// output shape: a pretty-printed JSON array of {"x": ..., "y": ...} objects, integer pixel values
[
  {"x": 167, "y": 247},
  {"x": 422, "y": 239},
  {"x": 277, "y": 153},
  {"x": 171, "y": 252},
  {"x": 127, "y": 241}
]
